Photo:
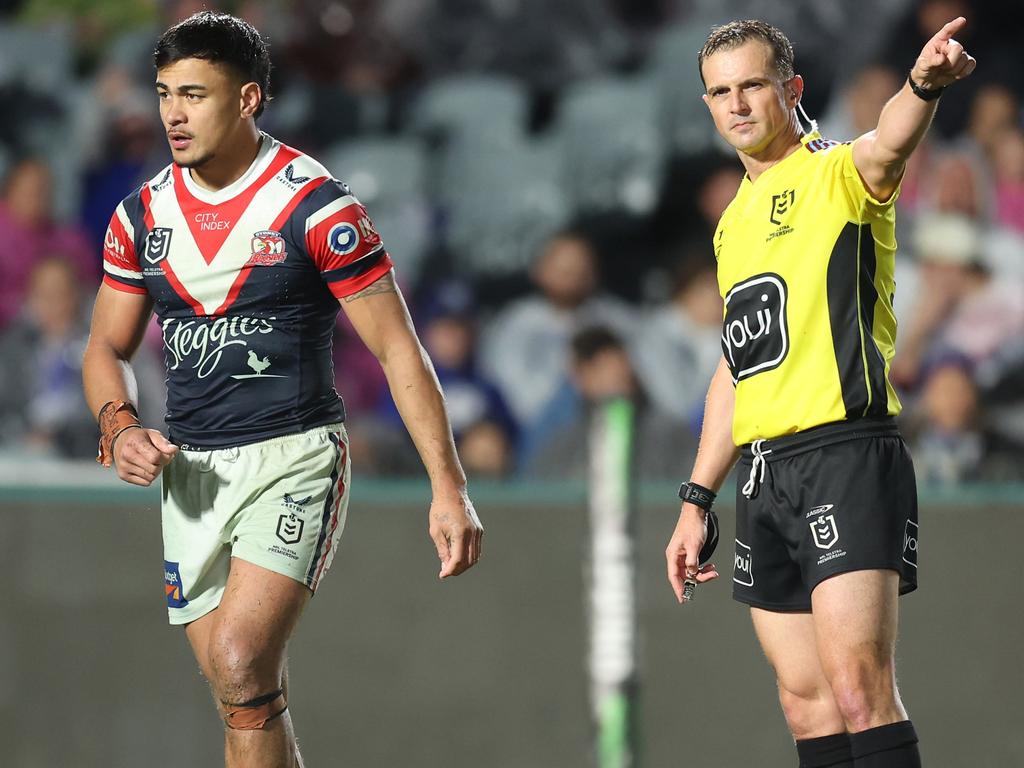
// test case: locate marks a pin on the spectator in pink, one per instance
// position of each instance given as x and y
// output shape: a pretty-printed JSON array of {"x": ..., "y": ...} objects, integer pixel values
[{"x": 30, "y": 234}]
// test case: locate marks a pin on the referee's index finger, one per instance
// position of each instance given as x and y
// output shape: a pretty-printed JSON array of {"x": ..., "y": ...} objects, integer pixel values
[{"x": 951, "y": 28}]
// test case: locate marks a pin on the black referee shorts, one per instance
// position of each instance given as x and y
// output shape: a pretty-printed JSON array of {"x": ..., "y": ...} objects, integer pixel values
[{"x": 836, "y": 498}]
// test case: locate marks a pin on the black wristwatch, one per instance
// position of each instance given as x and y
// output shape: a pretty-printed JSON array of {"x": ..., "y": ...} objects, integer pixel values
[
  {"x": 692, "y": 493},
  {"x": 703, "y": 497},
  {"x": 922, "y": 93}
]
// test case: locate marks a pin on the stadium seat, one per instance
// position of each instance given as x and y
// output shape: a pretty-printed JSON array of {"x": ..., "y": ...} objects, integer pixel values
[
  {"x": 673, "y": 66},
  {"x": 612, "y": 143},
  {"x": 389, "y": 177},
  {"x": 21, "y": 47},
  {"x": 500, "y": 205},
  {"x": 492, "y": 107}
]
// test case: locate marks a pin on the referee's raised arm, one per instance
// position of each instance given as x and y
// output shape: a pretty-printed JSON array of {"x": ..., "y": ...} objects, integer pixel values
[
  {"x": 715, "y": 456},
  {"x": 881, "y": 155}
]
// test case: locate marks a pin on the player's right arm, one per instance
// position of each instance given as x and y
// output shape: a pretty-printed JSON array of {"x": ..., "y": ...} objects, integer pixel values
[
  {"x": 715, "y": 456},
  {"x": 118, "y": 324}
]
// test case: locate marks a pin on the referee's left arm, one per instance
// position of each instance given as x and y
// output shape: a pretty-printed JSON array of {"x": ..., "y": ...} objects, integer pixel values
[{"x": 881, "y": 155}]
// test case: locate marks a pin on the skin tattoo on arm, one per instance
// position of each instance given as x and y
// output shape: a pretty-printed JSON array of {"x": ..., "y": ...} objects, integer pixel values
[{"x": 384, "y": 285}]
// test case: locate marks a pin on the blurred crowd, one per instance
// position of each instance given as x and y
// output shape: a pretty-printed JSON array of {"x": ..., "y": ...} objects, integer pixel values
[{"x": 547, "y": 180}]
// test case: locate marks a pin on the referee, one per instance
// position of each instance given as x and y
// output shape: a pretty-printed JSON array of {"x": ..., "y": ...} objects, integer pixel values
[{"x": 826, "y": 514}]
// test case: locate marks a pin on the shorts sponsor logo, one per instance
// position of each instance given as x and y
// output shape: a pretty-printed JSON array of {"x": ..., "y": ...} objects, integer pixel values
[
  {"x": 825, "y": 532},
  {"x": 819, "y": 510},
  {"x": 910, "y": 543},
  {"x": 289, "y": 528},
  {"x": 743, "y": 565},
  {"x": 755, "y": 337},
  {"x": 158, "y": 244},
  {"x": 172, "y": 585}
]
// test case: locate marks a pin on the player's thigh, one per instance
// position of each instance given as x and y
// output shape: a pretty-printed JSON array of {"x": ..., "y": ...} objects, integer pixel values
[
  {"x": 856, "y": 616},
  {"x": 256, "y": 617}
]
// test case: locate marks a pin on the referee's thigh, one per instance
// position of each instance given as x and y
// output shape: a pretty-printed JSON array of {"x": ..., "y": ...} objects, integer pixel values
[{"x": 855, "y": 619}]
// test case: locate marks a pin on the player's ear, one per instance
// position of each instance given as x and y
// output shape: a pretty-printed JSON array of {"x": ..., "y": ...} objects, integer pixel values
[{"x": 251, "y": 96}]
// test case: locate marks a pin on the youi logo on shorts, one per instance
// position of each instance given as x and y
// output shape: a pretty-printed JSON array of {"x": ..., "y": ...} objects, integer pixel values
[
  {"x": 755, "y": 337},
  {"x": 743, "y": 565},
  {"x": 910, "y": 543}
]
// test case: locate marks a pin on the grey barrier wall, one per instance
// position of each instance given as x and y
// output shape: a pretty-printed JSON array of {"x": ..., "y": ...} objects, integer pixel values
[{"x": 392, "y": 668}]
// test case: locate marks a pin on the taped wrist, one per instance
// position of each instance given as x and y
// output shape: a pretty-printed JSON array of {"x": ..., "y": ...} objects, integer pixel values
[
  {"x": 115, "y": 417},
  {"x": 253, "y": 715}
]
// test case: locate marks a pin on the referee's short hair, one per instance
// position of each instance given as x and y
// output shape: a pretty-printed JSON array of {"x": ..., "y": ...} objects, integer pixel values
[
  {"x": 736, "y": 33},
  {"x": 222, "y": 39}
]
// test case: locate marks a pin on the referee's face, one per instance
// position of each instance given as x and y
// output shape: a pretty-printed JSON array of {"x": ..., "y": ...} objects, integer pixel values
[
  {"x": 750, "y": 105},
  {"x": 202, "y": 107}
]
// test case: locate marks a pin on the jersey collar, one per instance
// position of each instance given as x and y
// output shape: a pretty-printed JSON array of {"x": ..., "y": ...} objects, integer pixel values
[{"x": 264, "y": 156}]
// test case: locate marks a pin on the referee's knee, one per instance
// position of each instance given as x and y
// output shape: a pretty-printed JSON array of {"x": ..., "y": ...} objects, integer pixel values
[
  {"x": 864, "y": 689},
  {"x": 810, "y": 712}
]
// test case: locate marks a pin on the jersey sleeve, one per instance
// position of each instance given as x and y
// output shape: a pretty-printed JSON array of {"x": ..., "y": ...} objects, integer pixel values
[
  {"x": 861, "y": 205},
  {"x": 121, "y": 269},
  {"x": 342, "y": 242}
]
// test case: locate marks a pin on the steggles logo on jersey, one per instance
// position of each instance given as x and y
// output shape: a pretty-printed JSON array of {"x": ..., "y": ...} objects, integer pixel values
[
  {"x": 259, "y": 365},
  {"x": 267, "y": 249},
  {"x": 158, "y": 244},
  {"x": 755, "y": 335},
  {"x": 202, "y": 344}
]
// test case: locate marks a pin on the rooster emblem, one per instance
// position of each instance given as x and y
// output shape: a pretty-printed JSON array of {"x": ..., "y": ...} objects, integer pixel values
[{"x": 258, "y": 365}]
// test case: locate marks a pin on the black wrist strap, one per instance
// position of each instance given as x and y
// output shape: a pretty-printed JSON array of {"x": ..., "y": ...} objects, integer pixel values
[
  {"x": 698, "y": 495},
  {"x": 921, "y": 93}
]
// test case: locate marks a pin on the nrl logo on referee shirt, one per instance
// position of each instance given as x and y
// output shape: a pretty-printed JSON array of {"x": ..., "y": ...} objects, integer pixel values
[{"x": 781, "y": 204}]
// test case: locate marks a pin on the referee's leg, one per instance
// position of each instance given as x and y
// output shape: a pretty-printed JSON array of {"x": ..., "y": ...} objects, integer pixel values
[
  {"x": 790, "y": 643},
  {"x": 855, "y": 618}
]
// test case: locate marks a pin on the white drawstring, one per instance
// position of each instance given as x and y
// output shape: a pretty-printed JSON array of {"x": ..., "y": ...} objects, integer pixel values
[
  {"x": 756, "y": 469},
  {"x": 813, "y": 123}
]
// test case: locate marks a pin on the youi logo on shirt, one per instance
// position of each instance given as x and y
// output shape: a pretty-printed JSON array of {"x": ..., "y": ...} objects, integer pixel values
[{"x": 755, "y": 337}]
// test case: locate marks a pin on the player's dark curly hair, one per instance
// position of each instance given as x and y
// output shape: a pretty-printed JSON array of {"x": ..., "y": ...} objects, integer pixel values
[
  {"x": 223, "y": 39},
  {"x": 736, "y": 33}
]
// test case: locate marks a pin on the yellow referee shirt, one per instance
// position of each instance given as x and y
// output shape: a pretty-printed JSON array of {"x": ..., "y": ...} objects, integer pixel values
[{"x": 805, "y": 265}]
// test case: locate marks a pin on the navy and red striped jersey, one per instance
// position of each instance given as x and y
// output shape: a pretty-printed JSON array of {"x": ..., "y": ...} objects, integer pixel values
[{"x": 245, "y": 283}]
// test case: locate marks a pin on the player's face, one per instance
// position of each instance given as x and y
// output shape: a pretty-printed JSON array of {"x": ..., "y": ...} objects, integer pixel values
[
  {"x": 750, "y": 105},
  {"x": 201, "y": 106}
]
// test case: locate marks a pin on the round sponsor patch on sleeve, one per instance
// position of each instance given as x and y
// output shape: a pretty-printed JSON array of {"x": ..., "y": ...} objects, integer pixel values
[{"x": 343, "y": 238}]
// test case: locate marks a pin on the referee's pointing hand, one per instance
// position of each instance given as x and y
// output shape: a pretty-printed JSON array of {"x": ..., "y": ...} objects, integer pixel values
[{"x": 943, "y": 60}]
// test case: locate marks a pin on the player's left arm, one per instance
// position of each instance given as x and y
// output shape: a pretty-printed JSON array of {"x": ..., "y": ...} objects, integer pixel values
[
  {"x": 881, "y": 155},
  {"x": 380, "y": 317}
]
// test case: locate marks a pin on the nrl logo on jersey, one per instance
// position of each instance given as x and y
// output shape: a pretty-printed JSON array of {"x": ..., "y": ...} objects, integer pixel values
[
  {"x": 781, "y": 204},
  {"x": 290, "y": 180},
  {"x": 267, "y": 249},
  {"x": 158, "y": 244}
]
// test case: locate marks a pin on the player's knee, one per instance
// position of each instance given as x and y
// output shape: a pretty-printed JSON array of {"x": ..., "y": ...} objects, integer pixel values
[{"x": 242, "y": 671}]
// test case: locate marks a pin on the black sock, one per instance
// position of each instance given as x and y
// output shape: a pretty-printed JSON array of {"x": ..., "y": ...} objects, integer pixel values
[
  {"x": 887, "y": 746},
  {"x": 825, "y": 752}
]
